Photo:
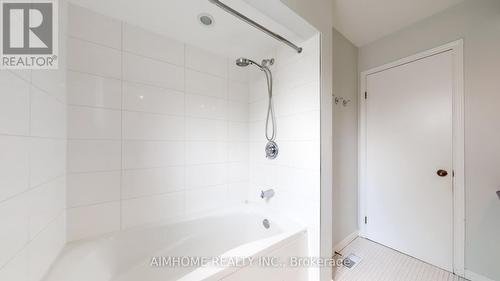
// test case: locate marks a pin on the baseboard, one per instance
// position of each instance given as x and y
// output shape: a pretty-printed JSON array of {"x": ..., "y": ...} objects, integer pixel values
[
  {"x": 342, "y": 244},
  {"x": 475, "y": 277}
]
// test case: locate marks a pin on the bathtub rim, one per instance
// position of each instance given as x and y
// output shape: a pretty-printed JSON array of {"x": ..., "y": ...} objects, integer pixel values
[
  {"x": 283, "y": 223},
  {"x": 211, "y": 273}
]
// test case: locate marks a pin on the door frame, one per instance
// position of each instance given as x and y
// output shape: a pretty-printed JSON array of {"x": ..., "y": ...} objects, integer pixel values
[{"x": 458, "y": 146}]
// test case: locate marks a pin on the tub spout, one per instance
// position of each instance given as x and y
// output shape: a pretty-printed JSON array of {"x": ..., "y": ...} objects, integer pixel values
[{"x": 266, "y": 194}]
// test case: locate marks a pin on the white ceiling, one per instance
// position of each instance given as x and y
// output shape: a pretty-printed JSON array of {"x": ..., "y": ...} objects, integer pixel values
[
  {"x": 177, "y": 19},
  {"x": 364, "y": 21}
]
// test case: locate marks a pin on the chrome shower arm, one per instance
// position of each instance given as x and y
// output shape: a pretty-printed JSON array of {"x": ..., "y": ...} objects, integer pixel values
[{"x": 255, "y": 24}]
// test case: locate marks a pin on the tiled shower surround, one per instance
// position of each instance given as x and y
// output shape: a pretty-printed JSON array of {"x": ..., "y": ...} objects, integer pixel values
[
  {"x": 295, "y": 173},
  {"x": 32, "y": 167},
  {"x": 156, "y": 128},
  {"x": 160, "y": 129},
  {"x": 135, "y": 128}
]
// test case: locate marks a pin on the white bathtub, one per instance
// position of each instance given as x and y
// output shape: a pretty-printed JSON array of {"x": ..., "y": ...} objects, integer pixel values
[{"x": 128, "y": 255}]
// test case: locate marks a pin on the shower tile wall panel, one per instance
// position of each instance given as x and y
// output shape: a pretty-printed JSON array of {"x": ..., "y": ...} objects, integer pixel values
[
  {"x": 295, "y": 173},
  {"x": 32, "y": 168},
  {"x": 156, "y": 128}
]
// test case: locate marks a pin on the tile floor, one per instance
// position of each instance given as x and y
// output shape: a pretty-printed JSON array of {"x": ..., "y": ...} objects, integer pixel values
[{"x": 380, "y": 263}]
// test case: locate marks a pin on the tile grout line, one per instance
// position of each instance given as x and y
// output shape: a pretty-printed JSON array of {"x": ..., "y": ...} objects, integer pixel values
[{"x": 32, "y": 188}]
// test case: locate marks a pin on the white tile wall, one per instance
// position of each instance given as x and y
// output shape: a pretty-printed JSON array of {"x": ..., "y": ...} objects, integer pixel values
[
  {"x": 161, "y": 135},
  {"x": 141, "y": 42},
  {"x": 145, "y": 182},
  {"x": 14, "y": 166},
  {"x": 206, "y": 175},
  {"x": 147, "y": 126},
  {"x": 236, "y": 73},
  {"x": 93, "y": 220},
  {"x": 200, "y": 129},
  {"x": 47, "y": 160},
  {"x": 206, "y": 107},
  {"x": 45, "y": 204},
  {"x": 52, "y": 82},
  {"x": 205, "y": 84},
  {"x": 237, "y": 152},
  {"x": 152, "y": 154},
  {"x": 93, "y": 91},
  {"x": 237, "y": 111},
  {"x": 237, "y": 172},
  {"x": 206, "y": 152},
  {"x": 149, "y": 209},
  {"x": 17, "y": 268},
  {"x": 156, "y": 128},
  {"x": 209, "y": 198},
  {"x": 295, "y": 174},
  {"x": 92, "y": 188},
  {"x": 43, "y": 251},
  {"x": 32, "y": 168},
  {"x": 238, "y": 91},
  {"x": 93, "y": 123},
  {"x": 238, "y": 131},
  {"x": 206, "y": 62},
  {"x": 14, "y": 217},
  {"x": 139, "y": 97},
  {"x": 152, "y": 72},
  {"x": 47, "y": 115},
  {"x": 237, "y": 192},
  {"x": 93, "y": 155},
  {"x": 93, "y": 58},
  {"x": 14, "y": 104},
  {"x": 90, "y": 26}
]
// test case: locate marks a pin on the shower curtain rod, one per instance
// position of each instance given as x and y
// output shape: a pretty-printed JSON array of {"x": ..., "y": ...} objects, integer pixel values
[{"x": 255, "y": 24}]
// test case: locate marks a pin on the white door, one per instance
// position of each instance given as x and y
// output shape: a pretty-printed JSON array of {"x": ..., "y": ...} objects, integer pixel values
[{"x": 409, "y": 139}]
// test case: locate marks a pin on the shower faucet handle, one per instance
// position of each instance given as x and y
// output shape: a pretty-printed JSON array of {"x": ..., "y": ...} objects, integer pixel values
[
  {"x": 498, "y": 194},
  {"x": 267, "y": 194}
]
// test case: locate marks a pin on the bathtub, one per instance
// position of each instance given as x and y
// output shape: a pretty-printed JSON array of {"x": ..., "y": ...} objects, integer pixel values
[{"x": 142, "y": 254}]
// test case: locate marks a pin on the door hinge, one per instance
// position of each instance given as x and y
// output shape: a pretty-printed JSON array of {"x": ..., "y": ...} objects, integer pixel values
[
  {"x": 366, "y": 220},
  {"x": 366, "y": 95}
]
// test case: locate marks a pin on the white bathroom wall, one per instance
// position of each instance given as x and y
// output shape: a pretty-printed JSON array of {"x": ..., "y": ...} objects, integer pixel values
[
  {"x": 295, "y": 173},
  {"x": 156, "y": 128},
  {"x": 32, "y": 167}
]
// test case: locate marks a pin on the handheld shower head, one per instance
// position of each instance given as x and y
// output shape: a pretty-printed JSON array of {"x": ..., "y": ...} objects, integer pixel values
[
  {"x": 243, "y": 62},
  {"x": 271, "y": 147}
]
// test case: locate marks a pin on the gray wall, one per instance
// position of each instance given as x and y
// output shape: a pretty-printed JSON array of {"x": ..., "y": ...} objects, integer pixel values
[
  {"x": 345, "y": 132},
  {"x": 478, "y": 23}
]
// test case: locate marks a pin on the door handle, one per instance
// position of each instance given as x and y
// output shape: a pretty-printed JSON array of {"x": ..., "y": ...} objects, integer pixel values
[{"x": 442, "y": 173}]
